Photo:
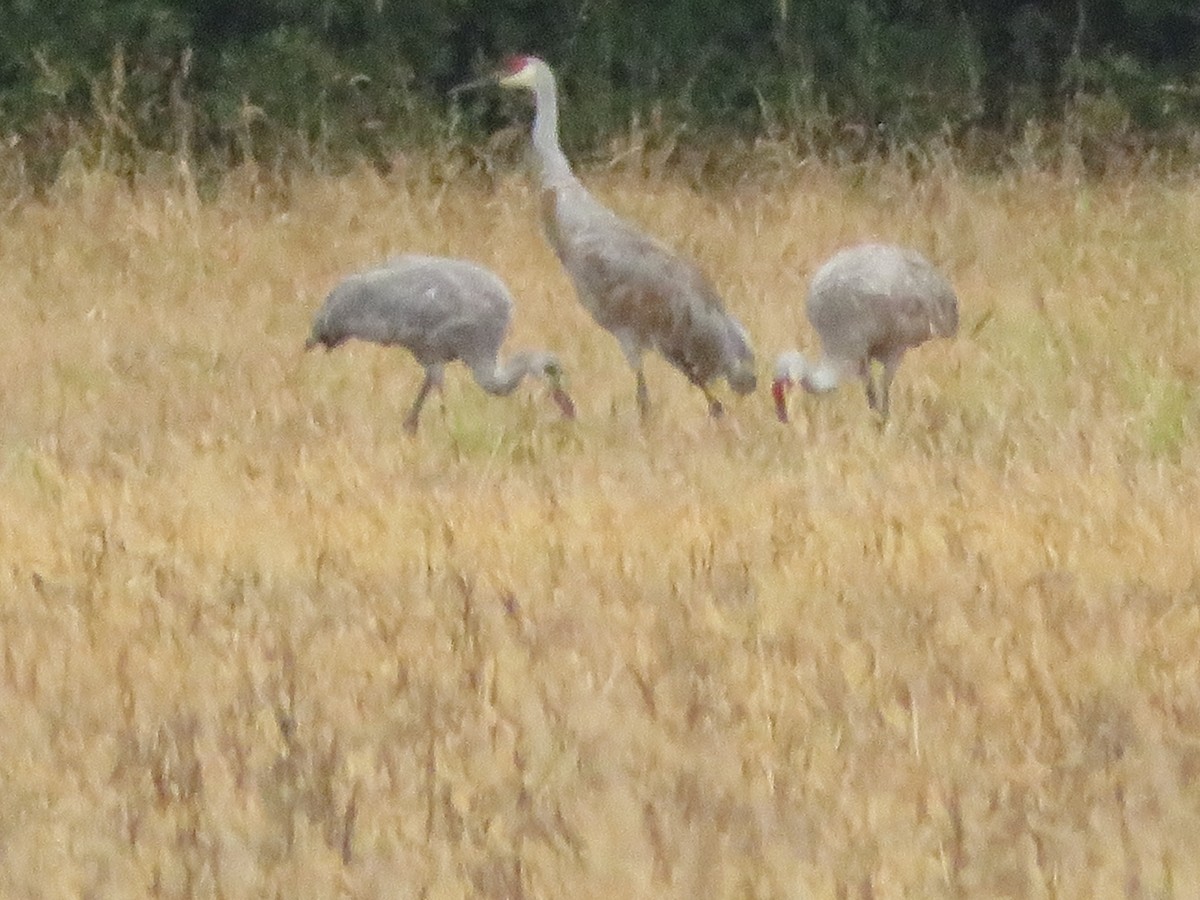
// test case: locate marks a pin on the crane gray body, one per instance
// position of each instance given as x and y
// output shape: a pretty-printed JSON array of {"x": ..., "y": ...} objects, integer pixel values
[
  {"x": 871, "y": 302},
  {"x": 440, "y": 310},
  {"x": 647, "y": 296}
]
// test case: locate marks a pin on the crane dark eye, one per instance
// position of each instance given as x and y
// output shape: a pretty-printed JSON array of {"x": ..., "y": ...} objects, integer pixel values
[{"x": 552, "y": 370}]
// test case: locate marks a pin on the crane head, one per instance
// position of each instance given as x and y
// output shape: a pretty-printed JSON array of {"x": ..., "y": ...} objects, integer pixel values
[
  {"x": 518, "y": 71},
  {"x": 742, "y": 378},
  {"x": 739, "y": 358}
]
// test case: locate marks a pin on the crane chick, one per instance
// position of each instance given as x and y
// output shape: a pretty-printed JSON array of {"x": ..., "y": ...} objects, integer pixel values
[
  {"x": 441, "y": 310},
  {"x": 647, "y": 296},
  {"x": 869, "y": 302}
]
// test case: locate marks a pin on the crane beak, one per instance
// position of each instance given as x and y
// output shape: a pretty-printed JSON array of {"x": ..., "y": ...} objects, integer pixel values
[
  {"x": 554, "y": 376},
  {"x": 472, "y": 85},
  {"x": 564, "y": 401},
  {"x": 779, "y": 388}
]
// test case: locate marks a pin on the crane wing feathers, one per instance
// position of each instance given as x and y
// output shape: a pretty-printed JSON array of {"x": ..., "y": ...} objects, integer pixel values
[
  {"x": 642, "y": 291},
  {"x": 623, "y": 267},
  {"x": 635, "y": 286},
  {"x": 875, "y": 299},
  {"x": 439, "y": 309}
]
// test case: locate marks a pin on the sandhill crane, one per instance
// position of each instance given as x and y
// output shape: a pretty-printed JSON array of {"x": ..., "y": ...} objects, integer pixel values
[
  {"x": 440, "y": 310},
  {"x": 642, "y": 292},
  {"x": 869, "y": 302}
]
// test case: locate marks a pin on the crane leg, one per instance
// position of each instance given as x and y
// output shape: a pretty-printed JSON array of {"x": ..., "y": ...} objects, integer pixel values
[
  {"x": 643, "y": 395},
  {"x": 890, "y": 365},
  {"x": 633, "y": 355},
  {"x": 868, "y": 376},
  {"x": 883, "y": 398},
  {"x": 715, "y": 409},
  {"x": 433, "y": 379},
  {"x": 885, "y": 384}
]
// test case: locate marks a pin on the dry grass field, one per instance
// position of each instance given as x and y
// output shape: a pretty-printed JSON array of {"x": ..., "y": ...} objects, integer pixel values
[{"x": 257, "y": 642}]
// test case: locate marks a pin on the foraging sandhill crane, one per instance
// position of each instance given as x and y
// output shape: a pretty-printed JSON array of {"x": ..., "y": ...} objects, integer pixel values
[
  {"x": 869, "y": 302},
  {"x": 647, "y": 296},
  {"x": 441, "y": 310}
]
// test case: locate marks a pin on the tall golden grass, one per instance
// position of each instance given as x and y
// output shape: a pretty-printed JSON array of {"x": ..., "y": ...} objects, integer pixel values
[{"x": 258, "y": 642}]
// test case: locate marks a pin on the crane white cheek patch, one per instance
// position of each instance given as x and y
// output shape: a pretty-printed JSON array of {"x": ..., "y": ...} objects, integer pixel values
[
  {"x": 522, "y": 78},
  {"x": 823, "y": 378}
]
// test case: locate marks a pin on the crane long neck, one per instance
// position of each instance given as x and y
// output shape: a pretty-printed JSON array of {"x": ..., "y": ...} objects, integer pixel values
[
  {"x": 502, "y": 378},
  {"x": 553, "y": 169}
]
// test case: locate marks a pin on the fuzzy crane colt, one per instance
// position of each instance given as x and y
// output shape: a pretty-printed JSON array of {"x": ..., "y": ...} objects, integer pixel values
[
  {"x": 646, "y": 295},
  {"x": 870, "y": 302},
  {"x": 440, "y": 310}
]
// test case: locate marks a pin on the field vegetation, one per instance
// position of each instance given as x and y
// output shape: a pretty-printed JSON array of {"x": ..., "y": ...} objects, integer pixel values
[{"x": 256, "y": 641}]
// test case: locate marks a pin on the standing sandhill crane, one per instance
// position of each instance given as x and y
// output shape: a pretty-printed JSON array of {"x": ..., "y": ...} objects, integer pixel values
[
  {"x": 440, "y": 310},
  {"x": 870, "y": 302},
  {"x": 642, "y": 292}
]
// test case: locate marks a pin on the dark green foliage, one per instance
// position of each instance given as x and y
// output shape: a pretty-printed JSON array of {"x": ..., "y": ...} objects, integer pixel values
[{"x": 336, "y": 79}]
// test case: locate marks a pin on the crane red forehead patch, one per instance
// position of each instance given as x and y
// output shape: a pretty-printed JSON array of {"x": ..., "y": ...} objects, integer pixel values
[{"x": 514, "y": 64}]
